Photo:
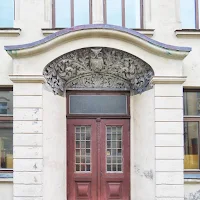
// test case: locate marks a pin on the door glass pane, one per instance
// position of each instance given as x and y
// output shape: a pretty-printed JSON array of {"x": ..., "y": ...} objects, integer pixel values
[
  {"x": 114, "y": 12},
  {"x": 83, "y": 148},
  {"x": 6, "y": 13},
  {"x": 63, "y": 13},
  {"x": 81, "y": 12},
  {"x": 187, "y": 9},
  {"x": 98, "y": 104},
  {"x": 191, "y": 160},
  {"x": 6, "y": 103},
  {"x": 114, "y": 148},
  {"x": 132, "y": 13},
  {"x": 6, "y": 145},
  {"x": 191, "y": 103}
]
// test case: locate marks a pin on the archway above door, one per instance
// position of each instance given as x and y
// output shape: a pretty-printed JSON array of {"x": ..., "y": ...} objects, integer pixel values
[{"x": 98, "y": 68}]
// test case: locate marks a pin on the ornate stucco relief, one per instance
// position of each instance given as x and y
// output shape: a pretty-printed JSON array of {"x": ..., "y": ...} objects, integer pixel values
[{"x": 98, "y": 68}]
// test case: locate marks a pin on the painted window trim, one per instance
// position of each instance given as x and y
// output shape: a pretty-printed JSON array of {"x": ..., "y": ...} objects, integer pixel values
[
  {"x": 72, "y": 13},
  {"x": 123, "y": 13},
  {"x": 10, "y": 32}
]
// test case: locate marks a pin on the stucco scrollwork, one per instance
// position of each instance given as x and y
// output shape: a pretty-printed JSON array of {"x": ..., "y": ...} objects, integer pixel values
[{"x": 98, "y": 68}]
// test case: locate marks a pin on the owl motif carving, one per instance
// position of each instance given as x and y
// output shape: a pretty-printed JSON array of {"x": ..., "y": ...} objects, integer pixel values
[
  {"x": 96, "y": 60},
  {"x": 98, "y": 68}
]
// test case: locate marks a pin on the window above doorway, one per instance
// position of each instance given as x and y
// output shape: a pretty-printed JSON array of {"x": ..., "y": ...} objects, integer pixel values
[
  {"x": 189, "y": 12},
  {"x": 6, "y": 13},
  {"x": 103, "y": 104}
]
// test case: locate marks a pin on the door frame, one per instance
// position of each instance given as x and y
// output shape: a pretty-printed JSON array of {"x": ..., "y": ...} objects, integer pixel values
[{"x": 98, "y": 118}]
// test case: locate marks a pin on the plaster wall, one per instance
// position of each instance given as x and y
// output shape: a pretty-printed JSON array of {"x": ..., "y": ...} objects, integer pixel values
[
  {"x": 163, "y": 16},
  {"x": 54, "y": 140},
  {"x": 6, "y": 190},
  {"x": 142, "y": 146}
]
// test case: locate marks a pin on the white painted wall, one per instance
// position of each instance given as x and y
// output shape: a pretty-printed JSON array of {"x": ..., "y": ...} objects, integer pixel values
[
  {"x": 6, "y": 190},
  {"x": 54, "y": 140},
  {"x": 142, "y": 146}
]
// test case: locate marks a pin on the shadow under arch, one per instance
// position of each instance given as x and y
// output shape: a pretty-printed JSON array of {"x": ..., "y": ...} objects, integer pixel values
[{"x": 98, "y": 68}]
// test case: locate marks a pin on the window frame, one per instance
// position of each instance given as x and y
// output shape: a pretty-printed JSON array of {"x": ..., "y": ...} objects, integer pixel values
[
  {"x": 72, "y": 13},
  {"x": 106, "y": 116},
  {"x": 123, "y": 13},
  {"x": 5, "y": 172},
  {"x": 192, "y": 118}
]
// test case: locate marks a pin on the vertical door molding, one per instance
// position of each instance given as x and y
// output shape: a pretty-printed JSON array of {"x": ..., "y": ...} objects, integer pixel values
[{"x": 98, "y": 124}]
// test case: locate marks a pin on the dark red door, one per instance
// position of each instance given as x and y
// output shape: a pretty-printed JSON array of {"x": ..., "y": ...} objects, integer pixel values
[{"x": 98, "y": 166}]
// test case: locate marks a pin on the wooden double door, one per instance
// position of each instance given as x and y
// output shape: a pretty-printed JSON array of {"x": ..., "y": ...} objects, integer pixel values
[{"x": 98, "y": 159}]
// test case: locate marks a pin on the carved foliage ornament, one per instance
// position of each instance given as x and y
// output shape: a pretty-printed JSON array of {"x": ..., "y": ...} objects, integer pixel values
[{"x": 98, "y": 68}]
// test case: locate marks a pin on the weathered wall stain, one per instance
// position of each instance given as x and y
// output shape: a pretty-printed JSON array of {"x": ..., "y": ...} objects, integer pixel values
[
  {"x": 193, "y": 196},
  {"x": 143, "y": 173}
]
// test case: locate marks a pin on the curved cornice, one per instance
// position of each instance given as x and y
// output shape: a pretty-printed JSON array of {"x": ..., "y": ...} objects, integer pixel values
[{"x": 97, "y": 30}]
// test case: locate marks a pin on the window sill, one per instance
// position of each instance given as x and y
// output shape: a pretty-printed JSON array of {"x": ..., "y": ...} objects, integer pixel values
[
  {"x": 6, "y": 177},
  {"x": 10, "y": 31},
  {"x": 6, "y": 180},
  {"x": 191, "y": 181},
  {"x": 188, "y": 33},
  {"x": 147, "y": 32}
]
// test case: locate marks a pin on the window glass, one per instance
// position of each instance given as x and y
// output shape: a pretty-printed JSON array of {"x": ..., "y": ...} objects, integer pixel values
[
  {"x": 192, "y": 103},
  {"x": 6, "y": 103},
  {"x": 81, "y": 12},
  {"x": 6, "y": 145},
  {"x": 114, "y": 149},
  {"x": 132, "y": 13},
  {"x": 98, "y": 104},
  {"x": 114, "y": 12},
  {"x": 83, "y": 148},
  {"x": 191, "y": 132},
  {"x": 62, "y": 13},
  {"x": 6, "y": 13},
  {"x": 187, "y": 9}
]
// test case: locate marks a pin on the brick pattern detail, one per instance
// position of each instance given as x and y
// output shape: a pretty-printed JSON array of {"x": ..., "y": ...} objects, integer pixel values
[
  {"x": 169, "y": 141},
  {"x": 28, "y": 141}
]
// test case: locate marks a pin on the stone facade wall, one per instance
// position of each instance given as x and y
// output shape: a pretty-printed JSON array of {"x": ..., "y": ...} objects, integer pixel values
[{"x": 30, "y": 137}]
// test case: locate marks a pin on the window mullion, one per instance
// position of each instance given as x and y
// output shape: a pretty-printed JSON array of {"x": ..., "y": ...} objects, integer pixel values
[
  {"x": 90, "y": 11},
  {"x": 123, "y": 12},
  {"x": 72, "y": 12},
  {"x": 197, "y": 14},
  {"x": 141, "y": 14}
]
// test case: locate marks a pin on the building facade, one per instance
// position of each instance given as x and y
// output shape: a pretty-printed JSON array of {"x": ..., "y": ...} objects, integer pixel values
[{"x": 99, "y": 99}]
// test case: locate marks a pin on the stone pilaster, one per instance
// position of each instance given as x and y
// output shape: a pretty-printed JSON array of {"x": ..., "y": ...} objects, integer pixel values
[
  {"x": 28, "y": 137},
  {"x": 169, "y": 138}
]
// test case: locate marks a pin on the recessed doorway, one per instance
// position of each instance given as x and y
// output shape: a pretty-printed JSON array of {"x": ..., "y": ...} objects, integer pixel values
[{"x": 98, "y": 151}]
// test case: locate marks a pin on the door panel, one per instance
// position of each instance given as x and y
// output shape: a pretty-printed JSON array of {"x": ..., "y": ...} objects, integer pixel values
[
  {"x": 81, "y": 159},
  {"x": 115, "y": 166},
  {"x": 98, "y": 159}
]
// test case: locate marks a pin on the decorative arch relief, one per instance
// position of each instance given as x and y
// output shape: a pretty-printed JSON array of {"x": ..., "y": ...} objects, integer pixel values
[{"x": 98, "y": 68}]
